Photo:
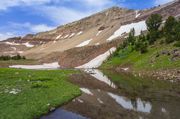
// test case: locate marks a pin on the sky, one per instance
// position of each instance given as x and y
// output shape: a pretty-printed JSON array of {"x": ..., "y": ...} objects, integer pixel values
[{"x": 21, "y": 17}]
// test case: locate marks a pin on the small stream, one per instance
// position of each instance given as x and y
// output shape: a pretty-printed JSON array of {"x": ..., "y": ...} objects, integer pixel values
[{"x": 112, "y": 95}]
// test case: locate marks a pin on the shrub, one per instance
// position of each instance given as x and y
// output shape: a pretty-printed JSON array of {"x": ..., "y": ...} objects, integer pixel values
[
  {"x": 40, "y": 85},
  {"x": 169, "y": 29},
  {"x": 153, "y": 24},
  {"x": 177, "y": 44},
  {"x": 17, "y": 57},
  {"x": 141, "y": 44}
]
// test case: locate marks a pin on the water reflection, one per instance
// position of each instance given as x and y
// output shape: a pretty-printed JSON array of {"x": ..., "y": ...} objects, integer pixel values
[
  {"x": 126, "y": 101},
  {"x": 100, "y": 76},
  {"x": 136, "y": 105}
]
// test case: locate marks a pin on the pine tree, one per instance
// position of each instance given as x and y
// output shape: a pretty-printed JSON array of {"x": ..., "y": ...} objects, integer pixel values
[
  {"x": 170, "y": 29},
  {"x": 153, "y": 24}
]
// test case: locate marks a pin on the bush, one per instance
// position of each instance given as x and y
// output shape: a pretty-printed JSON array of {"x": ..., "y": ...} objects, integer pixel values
[
  {"x": 131, "y": 38},
  {"x": 177, "y": 31},
  {"x": 170, "y": 29},
  {"x": 141, "y": 44},
  {"x": 177, "y": 44},
  {"x": 17, "y": 57},
  {"x": 40, "y": 85},
  {"x": 153, "y": 23}
]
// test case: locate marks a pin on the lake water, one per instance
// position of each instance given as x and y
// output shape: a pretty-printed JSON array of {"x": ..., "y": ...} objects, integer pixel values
[{"x": 111, "y": 95}]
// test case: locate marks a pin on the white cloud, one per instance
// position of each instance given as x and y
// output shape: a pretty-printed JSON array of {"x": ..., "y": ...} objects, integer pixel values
[
  {"x": 55, "y": 10},
  {"x": 17, "y": 29},
  {"x": 62, "y": 15},
  {"x": 31, "y": 27},
  {"x": 40, "y": 28},
  {"x": 97, "y": 3},
  {"x": 160, "y": 2},
  {"x": 5, "y": 4},
  {"x": 4, "y": 36}
]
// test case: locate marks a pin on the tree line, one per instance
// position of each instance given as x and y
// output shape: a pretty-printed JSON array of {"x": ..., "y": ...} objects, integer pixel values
[
  {"x": 169, "y": 32},
  {"x": 17, "y": 57}
]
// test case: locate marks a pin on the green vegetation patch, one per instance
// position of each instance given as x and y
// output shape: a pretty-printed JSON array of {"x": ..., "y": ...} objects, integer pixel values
[
  {"x": 158, "y": 48},
  {"x": 146, "y": 61},
  {"x": 27, "y": 94}
]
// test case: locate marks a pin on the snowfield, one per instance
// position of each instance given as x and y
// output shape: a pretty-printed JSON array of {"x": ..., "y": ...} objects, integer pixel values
[
  {"x": 54, "y": 65},
  {"x": 12, "y": 43},
  {"x": 84, "y": 43},
  {"x": 28, "y": 45},
  {"x": 138, "y": 27},
  {"x": 96, "y": 62}
]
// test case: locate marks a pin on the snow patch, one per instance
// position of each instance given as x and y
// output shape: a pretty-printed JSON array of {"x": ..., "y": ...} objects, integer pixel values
[
  {"x": 12, "y": 43},
  {"x": 66, "y": 36},
  {"x": 100, "y": 101},
  {"x": 98, "y": 33},
  {"x": 79, "y": 33},
  {"x": 27, "y": 44},
  {"x": 54, "y": 65},
  {"x": 58, "y": 36},
  {"x": 96, "y": 62},
  {"x": 84, "y": 43},
  {"x": 71, "y": 35},
  {"x": 138, "y": 27},
  {"x": 87, "y": 91},
  {"x": 97, "y": 44},
  {"x": 137, "y": 14}
]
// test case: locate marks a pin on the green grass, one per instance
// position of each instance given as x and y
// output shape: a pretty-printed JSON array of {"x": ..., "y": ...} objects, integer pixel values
[
  {"x": 38, "y": 91},
  {"x": 143, "y": 61}
]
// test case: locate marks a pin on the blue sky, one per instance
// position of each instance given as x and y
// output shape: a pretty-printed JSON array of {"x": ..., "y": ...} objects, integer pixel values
[{"x": 20, "y": 17}]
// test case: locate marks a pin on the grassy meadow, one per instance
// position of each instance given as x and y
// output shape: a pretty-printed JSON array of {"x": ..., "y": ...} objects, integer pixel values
[{"x": 27, "y": 94}]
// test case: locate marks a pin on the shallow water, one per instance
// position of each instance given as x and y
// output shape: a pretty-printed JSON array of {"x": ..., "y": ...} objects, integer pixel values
[
  {"x": 111, "y": 95},
  {"x": 63, "y": 114}
]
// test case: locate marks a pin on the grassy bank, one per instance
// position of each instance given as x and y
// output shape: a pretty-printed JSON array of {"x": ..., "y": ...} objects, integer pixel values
[
  {"x": 18, "y": 62},
  {"x": 27, "y": 94},
  {"x": 151, "y": 60}
]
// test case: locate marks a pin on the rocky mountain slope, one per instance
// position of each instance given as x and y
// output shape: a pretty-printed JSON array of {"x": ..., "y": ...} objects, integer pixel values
[{"x": 85, "y": 39}]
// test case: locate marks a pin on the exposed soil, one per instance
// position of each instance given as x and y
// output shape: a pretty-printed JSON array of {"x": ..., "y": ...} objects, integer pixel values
[{"x": 79, "y": 56}]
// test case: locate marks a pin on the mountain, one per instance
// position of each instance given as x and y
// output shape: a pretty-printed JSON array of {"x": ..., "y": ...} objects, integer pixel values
[{"x": 80, "y": 42}]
